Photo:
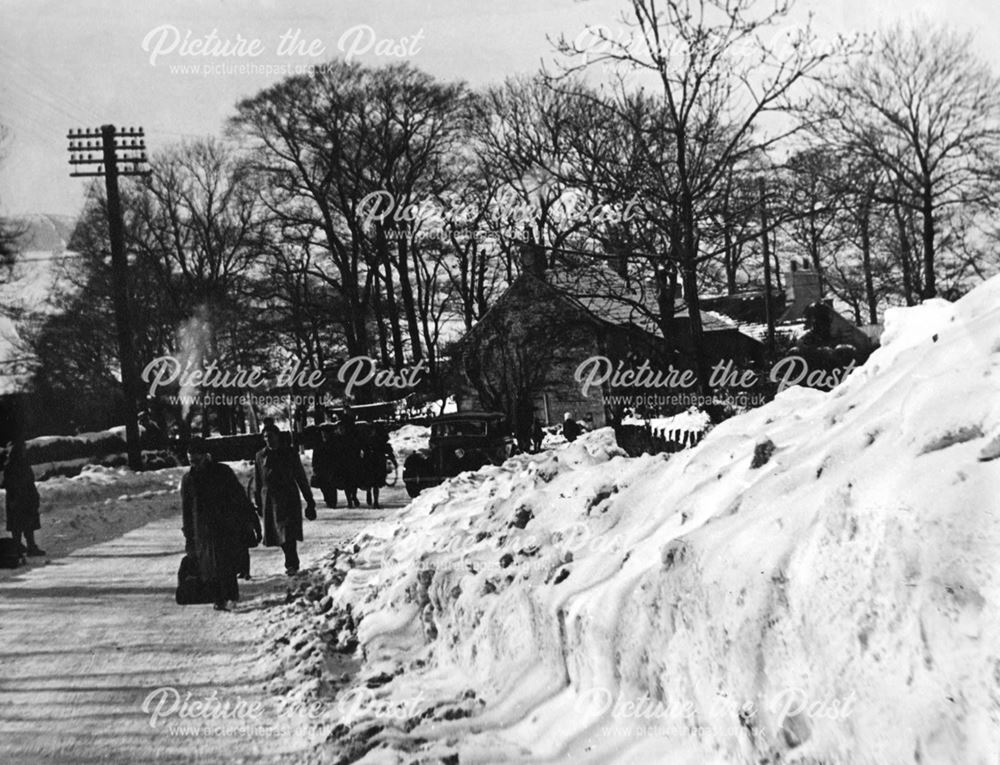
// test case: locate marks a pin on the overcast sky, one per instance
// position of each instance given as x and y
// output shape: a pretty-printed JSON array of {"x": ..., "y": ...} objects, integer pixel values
[{"x": 84, "y": 63}]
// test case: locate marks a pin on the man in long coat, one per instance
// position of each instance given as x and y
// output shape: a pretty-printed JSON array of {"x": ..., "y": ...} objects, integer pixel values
[
  {"x": 218, "y": 522},
  {"x": 279, "y": 479}
]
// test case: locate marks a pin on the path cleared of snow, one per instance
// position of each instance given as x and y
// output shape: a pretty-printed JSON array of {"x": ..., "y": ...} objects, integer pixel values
[{"x": 87, "y": 640}]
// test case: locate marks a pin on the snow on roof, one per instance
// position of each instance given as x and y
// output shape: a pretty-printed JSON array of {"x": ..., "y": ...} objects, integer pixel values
[
  {"x": 759, "y": 331},
  {"x": 711, "y": 321},
  {"x": 607, "y": 296}
]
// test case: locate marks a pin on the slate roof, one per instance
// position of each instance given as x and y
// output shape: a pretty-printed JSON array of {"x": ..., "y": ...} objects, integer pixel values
[{"x": 606, "y": 296}]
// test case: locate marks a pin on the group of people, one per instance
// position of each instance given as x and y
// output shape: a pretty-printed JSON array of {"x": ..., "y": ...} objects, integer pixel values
[
  {"x": 348, "y": 458},
  {"x": 222, "y": 520},
  {"x": 21, "y": 498}
]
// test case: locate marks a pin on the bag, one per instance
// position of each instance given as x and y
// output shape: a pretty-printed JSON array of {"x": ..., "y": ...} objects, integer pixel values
[
  {"x": 251, "y": 535},
  {"x": 250, "y": 532},
  {"x": 10, "y": 553},
  {"x": 190, "y": 589}
]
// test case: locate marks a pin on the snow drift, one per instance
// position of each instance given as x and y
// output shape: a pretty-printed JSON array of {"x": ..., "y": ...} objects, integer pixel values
[{"x": 816, "y": 582}]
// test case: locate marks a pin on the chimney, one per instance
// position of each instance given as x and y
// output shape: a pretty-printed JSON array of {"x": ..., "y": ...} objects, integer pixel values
[
  {"x": 532, "y": 256},
  {"x": 802, "y": 287}
]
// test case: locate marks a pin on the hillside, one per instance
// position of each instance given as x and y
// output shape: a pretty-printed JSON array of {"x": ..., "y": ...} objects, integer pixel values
[{"x": 40, "y": 268}]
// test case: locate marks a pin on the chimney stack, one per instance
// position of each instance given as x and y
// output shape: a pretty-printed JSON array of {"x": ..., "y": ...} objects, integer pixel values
[
  {"x": 802, "y": 287},
  {"x": 532, "y": 256}
]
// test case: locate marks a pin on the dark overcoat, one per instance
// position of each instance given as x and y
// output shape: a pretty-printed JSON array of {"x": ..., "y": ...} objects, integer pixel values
[
  {"x": 376, "y": 453},
  {"x": 21, "y": 494},
  {"x": 217, "y": 515},
  {"x": 279, "y": 485},
  {"x": 323, "y": 465},
  {"x": 345, "y": 458}
]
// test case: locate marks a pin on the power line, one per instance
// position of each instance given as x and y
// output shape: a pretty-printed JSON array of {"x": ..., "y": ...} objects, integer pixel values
[
  {"x": 37, "y": 73},
  {"x": 132, "y": 145}
]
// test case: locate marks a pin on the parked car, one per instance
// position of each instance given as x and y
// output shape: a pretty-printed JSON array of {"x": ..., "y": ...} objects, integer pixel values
[{"x": 459, "y": 442}]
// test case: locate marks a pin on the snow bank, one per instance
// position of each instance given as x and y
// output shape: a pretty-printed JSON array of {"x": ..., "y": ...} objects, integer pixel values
[
  {"x": 815, "y": 582},
  {"x": 408, "y": 439}
]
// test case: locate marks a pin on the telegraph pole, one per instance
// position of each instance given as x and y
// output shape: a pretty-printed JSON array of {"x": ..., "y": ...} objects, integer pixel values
[{"x": 100, "y": 147}]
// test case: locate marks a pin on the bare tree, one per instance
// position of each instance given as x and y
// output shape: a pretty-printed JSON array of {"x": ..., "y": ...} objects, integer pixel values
[
  {"x": 200, "y": 225},
  {"x": 716, "y": 78},
  {"x": 10, "y": 231},
  {"x": 925, "y": 109},
  {"x": 814, "y": 200},
  {"x": 347, "y": 155}
]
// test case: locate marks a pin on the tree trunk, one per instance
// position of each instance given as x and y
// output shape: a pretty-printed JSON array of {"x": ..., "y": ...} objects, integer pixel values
[
  {"x": 765, "y": 247},
  {"x": 690, "y": 276},
  {"x": 814, "y": 238},
  {"x": 729, "y": 261},
  {"x": 409, "y": 306},
  {"x": 383, "y": 342},
  {"x": 905, "y": 254},
  {"x": 392, "y": 308},
  {"x": 930, "y": 287},
  {"x": 866, "y": 255}
]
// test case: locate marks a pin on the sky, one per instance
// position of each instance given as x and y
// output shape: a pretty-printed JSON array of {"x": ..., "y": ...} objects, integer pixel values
[{"x": 85, "y": 63}]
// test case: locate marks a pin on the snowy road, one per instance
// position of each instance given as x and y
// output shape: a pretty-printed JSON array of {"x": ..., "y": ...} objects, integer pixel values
[{"x": 86, "y": 639}]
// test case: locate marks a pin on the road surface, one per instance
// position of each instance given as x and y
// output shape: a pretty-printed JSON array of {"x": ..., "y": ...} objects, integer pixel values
[{"x": 92, "y": 645}]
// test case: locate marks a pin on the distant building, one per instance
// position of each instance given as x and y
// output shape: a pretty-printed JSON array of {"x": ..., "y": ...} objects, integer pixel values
[
  {"x": 523, "y": 354},
  {"x": 802, "y": 289}
]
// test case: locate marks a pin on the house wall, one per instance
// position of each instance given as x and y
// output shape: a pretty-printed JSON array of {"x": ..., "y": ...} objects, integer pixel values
[{"x": 563, "y": 395}]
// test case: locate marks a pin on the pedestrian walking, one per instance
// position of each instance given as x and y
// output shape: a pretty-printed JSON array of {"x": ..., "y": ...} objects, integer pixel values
[
  {"x": 347, "y": 460},
  {"x": 376, "y": 456},
  {"x": 219, "y": 523},
  {"x": 22, "y": 504},
  {"x": 324, "y": 465},
  {"x": 279, "y": 479}
]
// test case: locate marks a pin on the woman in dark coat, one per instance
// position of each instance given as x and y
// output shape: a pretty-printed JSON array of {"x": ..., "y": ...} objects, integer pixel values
[
  {"x": 279, "y": 479},
  {"x": 22, "y": 499},
  {"x": 324, "y": 465},
  {"x": 376, "y": 451},
  {"x": 218, "y": 520},
  {"x": 346, "y": 459}
]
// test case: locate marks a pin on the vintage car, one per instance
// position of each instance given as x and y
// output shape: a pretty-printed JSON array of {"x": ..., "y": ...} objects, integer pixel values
[{"x": 459, "y": 442}]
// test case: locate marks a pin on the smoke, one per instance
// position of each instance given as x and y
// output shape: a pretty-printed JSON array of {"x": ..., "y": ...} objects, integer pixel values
[{"x": 194, "y": 341}]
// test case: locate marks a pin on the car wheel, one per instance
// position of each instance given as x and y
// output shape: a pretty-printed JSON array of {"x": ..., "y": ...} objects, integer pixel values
[{"x": 413, "y": 470}]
